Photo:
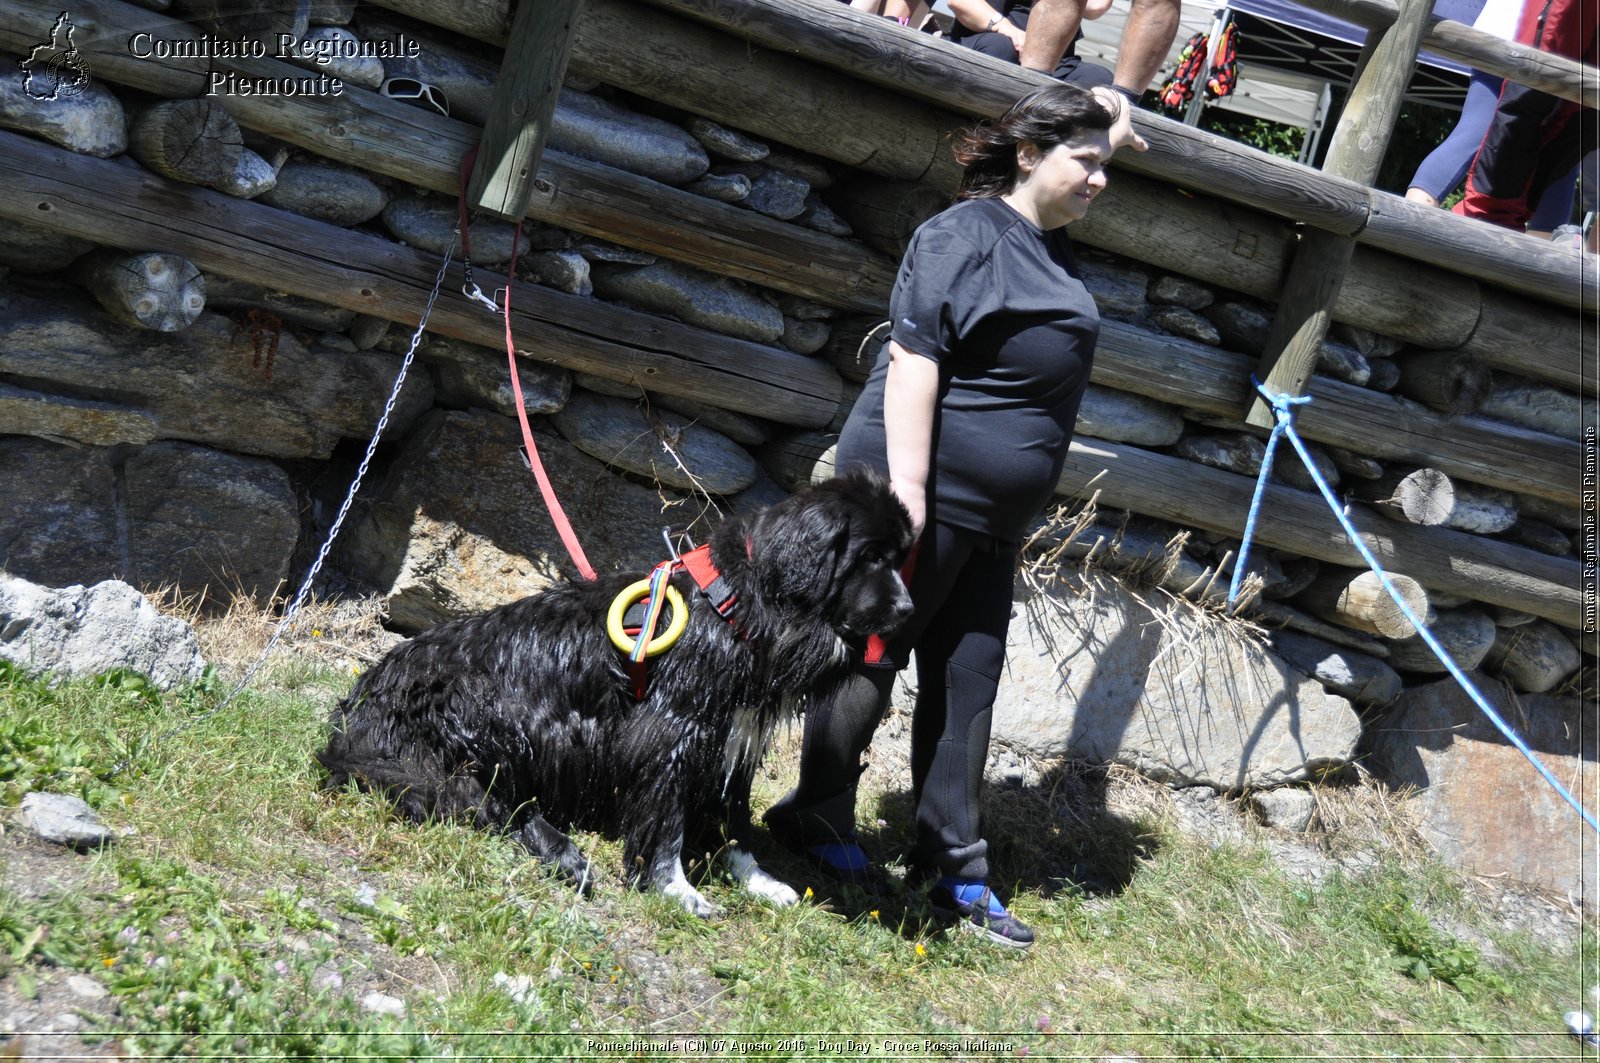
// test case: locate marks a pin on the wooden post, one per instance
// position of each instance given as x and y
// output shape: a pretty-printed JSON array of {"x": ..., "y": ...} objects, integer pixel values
[
  {"x": 1312, "y": 284},
  {"x": 522, "y": 107}
]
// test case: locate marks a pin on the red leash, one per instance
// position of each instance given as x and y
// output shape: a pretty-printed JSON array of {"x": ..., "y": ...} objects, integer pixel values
[{"x": 558, "y": 516}]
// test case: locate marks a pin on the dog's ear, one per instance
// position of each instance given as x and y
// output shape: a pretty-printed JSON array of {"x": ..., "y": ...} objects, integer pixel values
[{"x": 798, "y": 547}]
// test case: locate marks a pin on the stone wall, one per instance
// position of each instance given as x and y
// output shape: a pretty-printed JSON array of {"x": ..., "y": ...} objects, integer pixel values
[{"x": 215, "y": 453}]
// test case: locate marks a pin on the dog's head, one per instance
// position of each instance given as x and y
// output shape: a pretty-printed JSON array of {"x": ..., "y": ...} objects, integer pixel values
[{"x": 836, "y": 550}]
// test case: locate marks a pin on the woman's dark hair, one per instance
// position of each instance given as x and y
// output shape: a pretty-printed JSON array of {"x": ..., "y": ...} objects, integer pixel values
[{"x": 1051, "y": 115}]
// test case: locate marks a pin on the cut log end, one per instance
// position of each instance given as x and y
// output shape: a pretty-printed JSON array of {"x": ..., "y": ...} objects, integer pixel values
[
  {"x": 1361, "y": 602},
  {"x": 196, "y": 141},
  {"x": 154, "y": 290}
]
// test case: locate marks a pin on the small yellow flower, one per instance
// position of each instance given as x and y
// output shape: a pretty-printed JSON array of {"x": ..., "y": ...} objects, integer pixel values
[
  {"x": 110, "y": 961},
  {"x": 873, "y": 915},
  {"x": 920, "y": 950},
  {"x": 316, "y": 632},
  {"x": 809, "y": 894}
]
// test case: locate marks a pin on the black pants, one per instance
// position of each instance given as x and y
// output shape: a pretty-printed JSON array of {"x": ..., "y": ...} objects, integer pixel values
[
  {"x": 1072, "y": 68},
  {"x": 961, "y": 585}
]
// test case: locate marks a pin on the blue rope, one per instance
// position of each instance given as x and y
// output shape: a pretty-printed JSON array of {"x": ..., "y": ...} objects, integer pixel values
[{"x": 1283, "y": 410}]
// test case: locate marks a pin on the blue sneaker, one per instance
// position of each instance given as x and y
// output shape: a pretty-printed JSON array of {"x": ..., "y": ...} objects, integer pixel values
[{"x": 975, "y": 907}]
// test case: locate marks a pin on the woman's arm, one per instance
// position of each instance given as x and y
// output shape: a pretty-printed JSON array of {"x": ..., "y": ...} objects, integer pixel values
[
  {"x": 1096, "y": 8},
  {"x": 978, "y": 14},
  {"x": 909, "y": 396}
]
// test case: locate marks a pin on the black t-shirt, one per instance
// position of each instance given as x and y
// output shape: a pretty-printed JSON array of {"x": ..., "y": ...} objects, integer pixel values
[{"x": 1000, "y": 305}]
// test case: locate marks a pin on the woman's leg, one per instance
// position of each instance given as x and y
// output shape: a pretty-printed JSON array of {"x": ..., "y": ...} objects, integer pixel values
[{"x": 959, "y": 660}]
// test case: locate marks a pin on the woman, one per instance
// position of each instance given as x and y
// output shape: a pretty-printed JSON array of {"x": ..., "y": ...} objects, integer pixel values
[{"x": 969, "y": 411}]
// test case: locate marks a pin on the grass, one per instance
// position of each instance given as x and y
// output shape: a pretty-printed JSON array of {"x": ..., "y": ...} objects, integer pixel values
[{"x": 249, "y": 913}]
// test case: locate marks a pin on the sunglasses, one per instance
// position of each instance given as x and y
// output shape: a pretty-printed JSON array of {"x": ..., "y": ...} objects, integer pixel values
[{"x": 412, "y": 89}]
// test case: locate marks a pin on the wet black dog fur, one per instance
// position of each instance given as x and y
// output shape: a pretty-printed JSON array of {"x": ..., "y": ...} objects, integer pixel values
[{"x": 523, "y": 720}]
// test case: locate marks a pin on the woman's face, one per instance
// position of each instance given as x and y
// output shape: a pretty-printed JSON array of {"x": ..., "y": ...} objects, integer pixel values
[{"x": 1059, "y": 183}]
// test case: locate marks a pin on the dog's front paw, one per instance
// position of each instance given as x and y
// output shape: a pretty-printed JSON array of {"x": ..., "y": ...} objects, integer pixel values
[
  {"x": 692, "y": 900},
  {"x": 771, "y": 890},
  {"x": 743, "y": 866}
]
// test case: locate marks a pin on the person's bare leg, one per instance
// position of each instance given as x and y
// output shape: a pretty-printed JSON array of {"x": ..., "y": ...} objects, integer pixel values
[
  {"x": 1051, "y": 26},
  {"x": 1146, "y": 38}
]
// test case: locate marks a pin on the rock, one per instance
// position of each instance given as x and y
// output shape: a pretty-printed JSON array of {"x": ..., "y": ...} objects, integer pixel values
[
  {"x": 1098, "y": 671},
  {"x": 819, "y": 216},
  {"x": 805, "y": 337},
  {"x": 458, "y": 526},
  {"x": 1117, "y": 290},
  {"x": 81, "y": 985},
  {"x": 169, "y": 513},
  {"x": 1356, "y": 466},
  {"x": 1343, "y": 362},
  {"x": 777, "y": 195},
  {"x": 1184, "y": 322},
  {"x": 366, "y": 332},
  {"x": 335, "y": 194},
  {"x": 813, "y": 171},
  {"x": 705, "y": 299},
  {"x": 1533, "y": 657},
  {"x": 566, "y": 271},
  {"x": 1465, "y": 634},
  {"x": 37, "y": 413},
  {"x": 78, "y": 630},
  {"x": 723, "y": 187},
  {"x": 88, "y": 119},
  {"x": 1483, "y": 807},
  {"x": 1537, "y": 535},
  {"x": 383, "y": 1004},
  {"x": 728, "y": 143},
  {"x": 1358, "y": 677},
  {"x": 1289, "y": 808},
  {"x": 661, "y": 446},
  {"x": 281, "y": 400},
  {"x": 736, "y": 426},
  {"x": 1181, "y": 291},
  {"x": 597, "y": 129},
  {"x": 804, "y": 309},
  {"x": 1536, "y": 406},
  {"x": 470, "y": 375},
  {"x": 334, "y": 50},
  {"x": 1243, "y": 328},
  {"x": 429, "y": 223},
  {"x": 1288, "y": 467},
  {"x": 596, "y": 250},
  {"x": 1123, "y": 417},
  {"x": 332, "y": 12},
  {"x": 1385, "y": 374},
  {"x": 1236, "y": 452},
  {"x": 251, "y": 176},
  {"x": 68, "y": 821},
  {"x": 37, "y": 249}
]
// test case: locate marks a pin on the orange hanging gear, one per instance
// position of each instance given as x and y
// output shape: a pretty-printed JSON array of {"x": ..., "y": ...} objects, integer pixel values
[
  {"x": 1178, "y": 90},
  {"x": 1224, "y": 66}
]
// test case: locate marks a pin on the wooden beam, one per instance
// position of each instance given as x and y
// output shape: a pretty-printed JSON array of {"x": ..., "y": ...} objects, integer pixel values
[
  {"x": 1305, "y": 308},
  {"x": 110, "y": 203},
  {"x": 363, "y": 129},
  {"x": 948, "y": 75},
  {"x": 1198, "y": 496},
  {"x": 521, "y": 108},
  {"x": 1206, "y": 379}
]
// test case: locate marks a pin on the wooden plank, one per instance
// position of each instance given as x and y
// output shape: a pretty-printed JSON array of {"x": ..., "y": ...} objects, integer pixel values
[
  {"x": 1545, "y": 71},
  {"x": 521, "y": 107},
  {"x": 948, "y": 75},
  {"x": 1206, "y": 379},
  {"x": 1305, "y": 308},
  {"x": 1198, "y": 496},
  {"x": 363, "y": 129},
  {"x": 124, "y": 206}
]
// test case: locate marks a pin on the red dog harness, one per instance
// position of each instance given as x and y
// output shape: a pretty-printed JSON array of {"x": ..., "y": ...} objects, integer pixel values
[{"x": 712, "y": 586}]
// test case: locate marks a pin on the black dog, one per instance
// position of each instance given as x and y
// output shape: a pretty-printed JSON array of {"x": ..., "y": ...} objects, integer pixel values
[{"x": 525, "y": 719}]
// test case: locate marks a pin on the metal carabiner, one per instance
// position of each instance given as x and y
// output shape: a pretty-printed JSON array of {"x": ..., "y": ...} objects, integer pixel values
[
  {"x": 475, "y": 293},
  {"x": 670, "y": 534}
]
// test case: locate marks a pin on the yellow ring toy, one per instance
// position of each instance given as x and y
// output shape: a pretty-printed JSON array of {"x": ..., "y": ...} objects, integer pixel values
[{"x": 638, "y": 592}]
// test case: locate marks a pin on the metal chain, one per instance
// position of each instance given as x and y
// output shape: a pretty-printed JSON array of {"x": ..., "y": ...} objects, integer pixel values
[{"x": 333, "y": 532}]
